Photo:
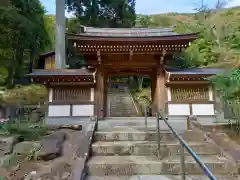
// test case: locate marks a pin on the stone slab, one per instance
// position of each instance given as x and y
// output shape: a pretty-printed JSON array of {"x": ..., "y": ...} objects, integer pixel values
[
  {"x": 149, "y": 148},
  {"x": 140, "y": 123},
  {"x": 132, "y": 165},
  {"x": 128, "y": 134}
]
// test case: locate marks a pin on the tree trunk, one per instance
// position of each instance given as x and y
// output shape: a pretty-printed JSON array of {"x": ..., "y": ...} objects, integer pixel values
[
  {"x": 11, "y": 71},
  {"x": 140, "y": 83}
]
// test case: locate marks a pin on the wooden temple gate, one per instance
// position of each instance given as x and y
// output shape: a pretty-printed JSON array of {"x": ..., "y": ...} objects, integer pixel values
[
  {"x": 125, "y": 52},
  {"x": 116, "y": 52}
]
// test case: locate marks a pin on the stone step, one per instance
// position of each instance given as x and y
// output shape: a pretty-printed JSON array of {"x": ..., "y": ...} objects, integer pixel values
[
  {"x": 160, "y": 177},
  {"x": 139, "y": 148},
  {"x": 131, "y": 135},
  {"x": 145, "y": 165}
]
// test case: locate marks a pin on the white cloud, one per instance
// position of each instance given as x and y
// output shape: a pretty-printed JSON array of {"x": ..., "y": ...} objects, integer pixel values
[{"x": 233, "y": 3}]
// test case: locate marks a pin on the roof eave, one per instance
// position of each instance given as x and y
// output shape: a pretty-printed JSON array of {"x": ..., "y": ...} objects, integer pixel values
[
  {"x": 190, "y": 74},
  {"x": 189, "y": 37}
]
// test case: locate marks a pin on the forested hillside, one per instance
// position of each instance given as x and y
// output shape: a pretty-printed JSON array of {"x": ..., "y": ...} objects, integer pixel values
[{"x": 217, "y": 46}]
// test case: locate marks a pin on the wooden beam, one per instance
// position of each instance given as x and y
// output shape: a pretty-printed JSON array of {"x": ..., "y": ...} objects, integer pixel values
[
  {"x": 99, "y": 57},
  {"x": 130, "y": 65},
  {"x": 129, "y": 73},
  {"x": 164, "y": 52},
  {"x": 130, "y": 55},
  {"x": 125, "y": 52},
  {"x": 69, "y": 83},
  {"x": 187, "y": 82}
]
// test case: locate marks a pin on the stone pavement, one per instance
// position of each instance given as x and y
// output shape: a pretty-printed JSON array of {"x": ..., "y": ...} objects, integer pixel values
[
  {"x": 139, "y": 122},
  {"x": 109, "y": 123},
  {"x": 158, "y": 177},
  {"x": 178, "y": 123}
]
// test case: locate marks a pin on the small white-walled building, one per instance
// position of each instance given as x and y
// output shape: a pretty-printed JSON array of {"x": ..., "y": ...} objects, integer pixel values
[{"x": 71, "y": 92}]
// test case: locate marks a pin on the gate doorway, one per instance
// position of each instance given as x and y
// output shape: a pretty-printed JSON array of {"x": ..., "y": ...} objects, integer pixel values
[{"x": 128, "y": 96}]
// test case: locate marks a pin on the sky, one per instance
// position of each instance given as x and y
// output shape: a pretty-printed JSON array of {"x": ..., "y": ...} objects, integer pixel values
[{"x": 155, "y": 6}]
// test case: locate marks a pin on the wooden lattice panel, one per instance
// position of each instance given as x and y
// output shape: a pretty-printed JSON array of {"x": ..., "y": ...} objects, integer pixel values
[
  {"x": 125, "y": 48},
  {"x": 80, "y": 94},
  {"x": 189, "y": 94}
]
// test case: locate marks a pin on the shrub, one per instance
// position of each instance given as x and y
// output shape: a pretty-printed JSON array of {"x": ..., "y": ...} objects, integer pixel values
[
  {"x": 25, "y": 95},
  {"x": 25, "y": 131}
]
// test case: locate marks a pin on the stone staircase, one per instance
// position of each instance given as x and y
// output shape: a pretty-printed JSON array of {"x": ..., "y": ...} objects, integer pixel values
[
  {"x": 120, "y": 103},
  {"x": 121, "y": 153}
]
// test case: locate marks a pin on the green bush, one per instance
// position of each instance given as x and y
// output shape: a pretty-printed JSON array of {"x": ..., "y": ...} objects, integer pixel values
[
  {"x": 25, "y": 95},
  {"x": 25, "y": 131},
  {"x": 142, "y": 96}
]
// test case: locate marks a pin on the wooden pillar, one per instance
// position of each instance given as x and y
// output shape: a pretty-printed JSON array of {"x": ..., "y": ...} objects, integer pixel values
[
  {"x": 158, "y": 90},
  {"x": 105, "y": 111},
  {"x": 99, "y": 109},
  {"x": 153, "y": 94}
]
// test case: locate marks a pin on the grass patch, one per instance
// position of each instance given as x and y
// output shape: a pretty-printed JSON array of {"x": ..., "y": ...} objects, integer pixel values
[
  {"x": 24, "y": 130},
  {"x": 142, "y": 98}
]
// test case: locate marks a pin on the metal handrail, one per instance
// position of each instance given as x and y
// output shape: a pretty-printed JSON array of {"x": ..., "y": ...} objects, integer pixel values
[{"x": 183, "y": 145}]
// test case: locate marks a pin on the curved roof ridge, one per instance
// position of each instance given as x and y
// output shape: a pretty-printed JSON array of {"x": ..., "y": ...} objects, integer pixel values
[{"x": 86, "y": 29}]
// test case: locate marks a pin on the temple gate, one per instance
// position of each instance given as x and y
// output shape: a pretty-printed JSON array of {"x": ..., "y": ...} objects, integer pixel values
[{"x": 123, "y": 52}]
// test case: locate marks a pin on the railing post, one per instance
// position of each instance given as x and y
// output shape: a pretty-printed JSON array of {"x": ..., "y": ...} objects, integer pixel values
[
  {"x": 188, "y": 123},
  {"x": 96, "y": 123},
  {"x": 182, "y": 162},
  {"x": 158, "y": 136},
  {"x": 109, "y": 108},
  {"x": 145, "y": 114}
]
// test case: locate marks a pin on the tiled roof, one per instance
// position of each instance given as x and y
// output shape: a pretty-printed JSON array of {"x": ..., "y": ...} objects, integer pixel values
[
  {"x": 127, "y": 32},
  {"x": 61, "y": 72},
  {"x": 48, "y": 53},
  {"x": 192, "y": 71}
]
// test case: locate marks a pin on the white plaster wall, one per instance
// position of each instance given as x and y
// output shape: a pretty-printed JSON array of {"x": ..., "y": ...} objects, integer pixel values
[
  {"x": 169, "y": 95},
  {"x": 50, "y": 98},
  {"x": 58, "y": 110},
  {"x": 92, "y": 94},
  {"x": 203, "y": 109},
  {"x": 83, "y": 110},
  {"x": 210, "y": 91},
  {"x": 178, "y": 109}
]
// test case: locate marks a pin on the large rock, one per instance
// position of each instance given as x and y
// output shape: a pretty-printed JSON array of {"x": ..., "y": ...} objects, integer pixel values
[
  {"x": 51, "y": 146},
  {"x": 5, "y": 160},
  {"x": 26, "y": 147},
  {"x": 6, "y": 145}
]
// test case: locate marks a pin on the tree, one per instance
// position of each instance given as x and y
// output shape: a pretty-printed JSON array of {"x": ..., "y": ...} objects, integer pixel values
[
  {"x": 22, "y": 37},
  {"x": 73, "y": 25},
  {"x": 228, "y": 84},
  {"x": 143, "y": 21},
  {"x": 104, "y": 13},
  {"x": 50, "y": 27}
]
